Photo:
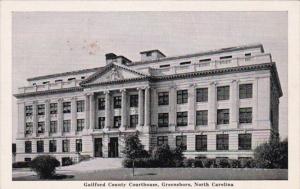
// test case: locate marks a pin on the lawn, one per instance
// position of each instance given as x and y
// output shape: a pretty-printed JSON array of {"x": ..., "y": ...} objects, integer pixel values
[{"x": 173, "y": 174}]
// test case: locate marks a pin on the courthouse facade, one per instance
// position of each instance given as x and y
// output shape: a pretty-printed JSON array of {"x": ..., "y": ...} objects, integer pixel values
[{"x": 218, "y": 103}]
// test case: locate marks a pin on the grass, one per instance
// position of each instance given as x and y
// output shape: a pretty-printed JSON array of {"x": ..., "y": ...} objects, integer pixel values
[{"x": 174, "y": 174}]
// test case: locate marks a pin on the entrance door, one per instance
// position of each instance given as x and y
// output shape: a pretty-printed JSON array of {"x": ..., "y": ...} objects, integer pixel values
[
  {"x": 113, "y": 146},
  {"x": 98, "y": 147}
]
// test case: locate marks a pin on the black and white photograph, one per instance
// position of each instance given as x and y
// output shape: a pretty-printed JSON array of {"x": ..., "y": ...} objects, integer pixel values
[{"x": 104, "y": 96}]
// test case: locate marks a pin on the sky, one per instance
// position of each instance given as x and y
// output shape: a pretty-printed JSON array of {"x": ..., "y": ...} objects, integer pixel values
[{"x": 53, "y": 42}]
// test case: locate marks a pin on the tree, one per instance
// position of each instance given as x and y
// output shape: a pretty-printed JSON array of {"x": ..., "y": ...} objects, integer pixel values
[
  {"x": 44, "y": 166},
  {"x": 273, "y": 154}
]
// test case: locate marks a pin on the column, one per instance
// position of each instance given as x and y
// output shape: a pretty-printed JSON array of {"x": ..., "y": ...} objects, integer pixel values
[
  {"x": 234, "y": 104},
  {"x": 21, "y": 119},
  {"x": 73, "y": 115},
  {"x": 192, "y": 107},
  {"x": 154, "y": 104},
  {"x": 141, "y": 107},
  {"x": 47, "y": 117},
  {"x": 92, "y": 112},
  {"x": 173, "y": 106},
  {"x": 107, "y": 110},
  {"x": 147, "y": 107},
  {"x": 124, "y": 110},
  {"x": 87, "y": 112},
  {"x": 60, "y": 115},
  {"x": 212, "y": 106},
  {"x": 255, "y": 102},
  {"x": 34, "y": 118}
]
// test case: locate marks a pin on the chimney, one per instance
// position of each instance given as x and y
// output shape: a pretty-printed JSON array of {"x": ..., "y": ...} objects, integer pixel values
[
  {"x": 110, "y": 57},
  {"x": 152, "y": 55}
]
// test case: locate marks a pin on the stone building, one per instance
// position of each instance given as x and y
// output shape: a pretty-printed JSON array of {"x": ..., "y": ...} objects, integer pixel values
[{"x": 218, "y": 103}]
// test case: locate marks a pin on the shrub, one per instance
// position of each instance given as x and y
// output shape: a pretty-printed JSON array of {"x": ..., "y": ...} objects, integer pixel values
[
  {"x": 199, "y": 163},
  {"x": 273, "y": 154},
  {"x": 21, "y": 164},
  {"x": 188, "y": 162},
  {"x": 234, "y": 163},
  {"x": 222, "y": 163},
  {"x": 84, "y": 157},
  {"x": 134, "y": 148},
  {"x": 208, "y": 163},
  {"x": 164, "y": 155},
  {"x": 44, "y": 166},
  {"x": 247, "y": 163},
  {"x": 141, "y": 163},
  {"x": 66, "y": 161}
]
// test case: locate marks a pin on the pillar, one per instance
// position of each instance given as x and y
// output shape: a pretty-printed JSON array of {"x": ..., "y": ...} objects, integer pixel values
[
  {"x": 73, "y": 115},
  {"x": 141, "y": 107},
  {"x": 34, "y": 118},
  {"x": 192, "y": 107},
  {"x": 87, "y": 112},
  {"x": 173, "y": 107},
  {"x": 147, "y": 108},
  {"x": 107, "y": 110},
  {"x": 124, "y": 122},
  {"x": 47, "y": 117},
  {"x": 60, "y": 115},
  {"x": 234, "y": 104},
  {"x": 212, "y": 106},
  {"x": 92, "y": 112},
  {"x": 21, "y": 119}
]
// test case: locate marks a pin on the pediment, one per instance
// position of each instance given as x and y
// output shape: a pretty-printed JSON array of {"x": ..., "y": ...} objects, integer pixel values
[{"x": 113, "y": 72}]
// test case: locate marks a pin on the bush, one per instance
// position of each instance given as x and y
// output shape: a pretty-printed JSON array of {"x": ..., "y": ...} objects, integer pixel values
[
  {"x": 141, "y": 163},
  {"x": 44, "y": 166},
  {"x": 273, "y": 154},
  {"x": 208, "y": 163},
  {"x": 199, "y": 163},
  {"x": 66, "y": 161},
  {"x": 188, "y": 162},
  {"x": 222, "y": 163},
  {"x": 247, "y": 163},
  {"x": 134, "y": 148},
  {"x": 234, "y": 163},
  {"x": 21, "y": 164}
]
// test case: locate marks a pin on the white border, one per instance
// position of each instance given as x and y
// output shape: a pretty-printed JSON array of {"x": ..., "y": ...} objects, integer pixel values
[{"x": 293, "y": 8}]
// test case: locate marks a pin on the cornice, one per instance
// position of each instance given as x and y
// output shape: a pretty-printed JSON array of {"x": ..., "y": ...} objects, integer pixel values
[{"x": 54, "y": 91}]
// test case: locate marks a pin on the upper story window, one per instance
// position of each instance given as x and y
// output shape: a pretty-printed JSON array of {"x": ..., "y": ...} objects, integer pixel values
[
  {"x": 223, "y": 116},
  {"x": 71, "y": 79},
  {"x": 53, "y": 108},
  {"x": 245, "y": 141},
  {"x": 205, "y": 60},
  {"x": 201, "y": 142},
  {"x": 247, "y": 54},
  {"x": 202, "y": 95},
  {"x": 185, "y": 63},
  {"x": 80, "y": 105},
  {"x": 134, "y": 100},
  {"x": 223, "y": 93},
  {"x": 52, "y": 146},
  {"x": 225, "y": 57},
  {"x": 222, "y": 141},
  {"x": 78, "y": 145},
  {"x": 28, "y": 147},
  {"x": 163, "y": 98},
  {"x": 161, "y": 140},
  {"x": 201, "y": 117},
  {"x": 101, "y": 103},
  {"x": 28, "y": 128},
  {"x": 39, "y": 146},
  {"x": 117, "y": 121},
  {"x": 46, "y": 82},
  {"x": 41, "y": 127},
  {"x": 245, "y": 115},
  {"x": 148, "y": 53},
  {"x": 28, "y": 110},
  {"x": 65, "y": 146},
  {"x": 58, "y": 80},
  {"x": 117, "y": 101},
  {"x": 133, "y": 121},
  {"x": 164, "y": 66},
  {"x": 53, "y": 126},
  {"x": 80, "y": 124},
  {"x": 67, "y": 107},
  {"x": 181, "y": 142},
  {"x": 41, "y": 109},
  {"x": 101, "y": 123},
  {"x": 163, "y": 120},
  {"x": 245, "y": 91},
  {"x": 66, "y": 126},
  {"x": 82, "y": 77},
  {"x": 182, "y": 96},
  {"x": 182, "y": 118}
]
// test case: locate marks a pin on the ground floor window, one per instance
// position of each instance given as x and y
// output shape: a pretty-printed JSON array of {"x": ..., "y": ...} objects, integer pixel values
[
  {"x": 222, "y": 142},
  {"x": 52, "y": 146},
  {"x": 117, "y": 121},
  {"x": 182, "y": 118},
  {"x": 65, "y": 145},
  {"x": 223, "y": 116},
  {"x": 101, "y": 123},
  {"x": 201, "y": 117},
  {"x": 53, "y": 126},
  {"x": 163, "y": 120},
  {"x": 181, "y": 142},
  {"x": 78, "y": 145},
  {"x": 28, "y": 147},
  {"x": 201, "y": 142},
  {"x": 66, "y": 126},
  {"x": 133, "y": 121},
  {"x": 41, "y": 127},
  {"x": 40, "y": 146},
  {"x": 27, "y": 159},
  {"x": 161, "y": 140},
  {"x": 29, "y": 128},
  {"x": 245, "y": 141},
  {"x": 245, "y": 115},
  {"x": 80, "y": 124}
]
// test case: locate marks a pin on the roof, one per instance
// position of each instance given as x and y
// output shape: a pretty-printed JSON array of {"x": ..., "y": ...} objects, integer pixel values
[{"x": 154, "y": 50}]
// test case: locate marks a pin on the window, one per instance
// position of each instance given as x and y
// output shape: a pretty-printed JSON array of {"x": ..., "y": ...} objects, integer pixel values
[
  {"x": 28, "y": 148},
  {"x": 161, "y": 140},
  {"x": 78, "y": 145},
  {"x": 65, "y": 146},
  {"x": 181, "y": 142},
  {"x": 202, "y": 95},
  {"x": 248, "y": 54},
  {"x": 39, "y": 146},
  {"x": 164, "y": 66},
  {"x": 45, "y": 82},
  {"x": 82, "y": 77},
  {"x": 117, "y": 102},
  {"x": 245, "y": 141},
  {"x": 148, "y": 53},
  {"x": 163, "y": 98},
  {"x": 201, "y": 117},
  {"x": 53, "y": 126},
  {"x": 66, "y": 126},
  {"x": 53, "y": 108},
  {"x": 163, "y": 120},
  {"x": 28, "y": 110},
  {"x": 27, "y": 159},
  {"x": 28, "y": 128},
  {"x": 58, "y": 80},
  {"x": 117, "y": 121},
  {"x": 223, "y": 93},
  {"x": 245, "y": 91},
  {"x": 41, "y": 109},
  {"x": 245, "y": 115},
  {"x": 134, "y": 100},
  {"x": 182, "y": 96},
  {"x": 185, "y": 63},
  {"x": 101, "y": 103},
  {"x": 222, "y": 142},
  {"x": 52, "y": 146},
  {"x": 101, "y": 123},
  {"x": 70, "y": 79},
  {"x": 80, "y": 106},
  {"x": 41, "y": 127},
  {"x": 223, "y": 116},
  {"x": 201, "y": 142},
  {"x": 80, "y": 124},
  {"x": 67, "y": 107},
  {"x": 205, "y": 60},
  {"x": 133, "y": 121},
  {"x": 225, "y": 57},
  {"x": 182, "y": 118}
]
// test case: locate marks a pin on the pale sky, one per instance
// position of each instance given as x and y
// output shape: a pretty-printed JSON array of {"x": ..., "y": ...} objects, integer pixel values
[{"x": 53, "y": 42}]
